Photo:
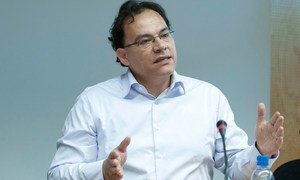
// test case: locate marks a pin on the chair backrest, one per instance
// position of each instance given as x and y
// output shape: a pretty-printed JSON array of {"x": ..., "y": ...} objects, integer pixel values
[{"x": 289, "y": 170}]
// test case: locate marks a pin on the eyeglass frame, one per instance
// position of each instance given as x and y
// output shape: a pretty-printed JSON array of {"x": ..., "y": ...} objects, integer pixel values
[{"x": 151, "y": 39}]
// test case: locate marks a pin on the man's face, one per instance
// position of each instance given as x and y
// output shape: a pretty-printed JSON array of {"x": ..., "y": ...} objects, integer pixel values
[{"x": 158, "y": 60}]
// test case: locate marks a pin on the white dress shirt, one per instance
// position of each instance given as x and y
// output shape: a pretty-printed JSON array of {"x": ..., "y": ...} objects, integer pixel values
[{"x": 173, "y": 136}]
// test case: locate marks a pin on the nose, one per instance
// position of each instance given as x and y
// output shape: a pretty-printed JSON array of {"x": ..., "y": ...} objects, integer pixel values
[{"x": 159, "y": 44}]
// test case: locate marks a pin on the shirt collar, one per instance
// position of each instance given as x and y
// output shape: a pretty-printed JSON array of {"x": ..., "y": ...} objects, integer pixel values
[{"x": 131, "y": 88}]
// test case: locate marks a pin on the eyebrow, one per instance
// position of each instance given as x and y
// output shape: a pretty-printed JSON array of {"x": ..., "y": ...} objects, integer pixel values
[{"x": 149, "y": 35}]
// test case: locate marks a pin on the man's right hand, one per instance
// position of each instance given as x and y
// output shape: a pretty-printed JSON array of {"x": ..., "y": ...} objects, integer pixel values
[{"x": 112, "y": 167}]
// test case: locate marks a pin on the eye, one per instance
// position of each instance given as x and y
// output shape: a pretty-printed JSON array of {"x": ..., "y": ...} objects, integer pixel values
[
  {"x": 144, "y": 41},
  {"x": 165, "y": 35}
]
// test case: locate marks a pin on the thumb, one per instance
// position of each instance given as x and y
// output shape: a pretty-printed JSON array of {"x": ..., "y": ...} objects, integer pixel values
[
  {"x": 123, "y": 145},
  {"x": 261, "y": 110}
]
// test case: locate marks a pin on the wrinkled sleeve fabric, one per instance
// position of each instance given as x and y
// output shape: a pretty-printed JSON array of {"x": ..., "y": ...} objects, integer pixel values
[
  {"x": 241, "y": 156},
  {"x": 76, "y": 156}
]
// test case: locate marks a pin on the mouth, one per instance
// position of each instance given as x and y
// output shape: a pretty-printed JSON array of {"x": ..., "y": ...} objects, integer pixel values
[{"x": 162, "y": 59}]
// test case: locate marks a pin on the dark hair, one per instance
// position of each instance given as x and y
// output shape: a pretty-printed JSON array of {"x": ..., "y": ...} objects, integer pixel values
[{"x": 130, "y": 9}]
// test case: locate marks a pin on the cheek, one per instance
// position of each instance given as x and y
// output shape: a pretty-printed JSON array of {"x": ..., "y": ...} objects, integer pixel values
[
  {"x": 138, "y": 61},
  {"x": 173, "y": 50},
  {"x": 144, "y": 57},
  {"x": 133, "y": 58},
  {"x": 173, "y": 45}
]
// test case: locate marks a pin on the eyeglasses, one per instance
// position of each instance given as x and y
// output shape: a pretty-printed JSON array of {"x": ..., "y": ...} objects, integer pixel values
[{"x": 146, "y": 40}]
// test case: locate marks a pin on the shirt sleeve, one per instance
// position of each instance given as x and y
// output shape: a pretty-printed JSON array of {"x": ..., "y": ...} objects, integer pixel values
[
  {"x": 241, "y": 156},
  {"x": 76, "y": 156}
]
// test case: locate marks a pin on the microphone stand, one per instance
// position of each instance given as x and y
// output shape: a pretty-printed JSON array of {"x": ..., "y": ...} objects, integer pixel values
[
  {"x": 221, "y": 125},
  {"x": 225, "y": 156}
]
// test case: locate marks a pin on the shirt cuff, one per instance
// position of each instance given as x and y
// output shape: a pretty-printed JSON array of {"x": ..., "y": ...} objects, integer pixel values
[
  {"x": 272, "y": 159},
  {"x": 274, "y": 156},
  {"x": 93, "y": 170}
]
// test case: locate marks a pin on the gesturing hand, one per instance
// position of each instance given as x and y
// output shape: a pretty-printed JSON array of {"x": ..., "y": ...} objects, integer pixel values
[
  {"x": 269, "y": 134},
  {"x": 112, "y": 167}
]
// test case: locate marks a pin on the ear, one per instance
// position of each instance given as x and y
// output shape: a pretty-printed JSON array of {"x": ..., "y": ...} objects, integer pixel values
[{"x": 121, "y": 54}]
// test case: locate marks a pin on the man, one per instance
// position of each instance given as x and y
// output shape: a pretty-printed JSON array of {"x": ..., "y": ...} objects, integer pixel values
[{"x": 152, "y": 123}]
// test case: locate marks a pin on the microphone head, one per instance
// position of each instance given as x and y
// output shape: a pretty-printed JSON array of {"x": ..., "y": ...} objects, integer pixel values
[{"x": 221, "y": 125}]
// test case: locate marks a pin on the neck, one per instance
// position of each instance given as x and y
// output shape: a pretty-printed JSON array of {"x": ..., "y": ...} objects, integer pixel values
[
  {"x": 155, "y": 85},
  {"x": 156, "y": 88}
]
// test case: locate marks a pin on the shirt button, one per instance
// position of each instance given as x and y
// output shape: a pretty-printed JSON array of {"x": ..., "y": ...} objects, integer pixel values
[{"x": 156, "y": 102}]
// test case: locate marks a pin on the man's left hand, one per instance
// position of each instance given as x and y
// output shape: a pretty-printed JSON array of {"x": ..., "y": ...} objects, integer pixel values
[{"x": 269, "y": 134}]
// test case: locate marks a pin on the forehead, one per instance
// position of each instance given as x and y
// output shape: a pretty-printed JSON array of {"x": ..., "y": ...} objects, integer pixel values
[{"x": 147, "y": 22}]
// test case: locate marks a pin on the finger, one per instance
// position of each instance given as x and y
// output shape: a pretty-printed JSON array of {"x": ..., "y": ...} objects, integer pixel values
[
  {"x": 280, "y": 132},
  {"x": 261, "y": 110},
  {"x": 114, "y": 155},
  {"x": 279, "y": 122},
  {"x": 108, "y": 171},
  {"x": 279, "y": 142},
  {"x": 116, "y": 171},
  {"x": 114, "y": 163},
  {"x": 124, "y": 144},
  {"x": 274, "y": 118}
]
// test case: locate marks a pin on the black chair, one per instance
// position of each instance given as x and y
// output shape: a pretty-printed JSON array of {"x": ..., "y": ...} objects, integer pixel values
[{"x": 288, "y": 171}]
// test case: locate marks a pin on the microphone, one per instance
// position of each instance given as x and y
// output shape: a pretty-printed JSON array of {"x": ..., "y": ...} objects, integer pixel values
[{"x": 222, "y": 125}]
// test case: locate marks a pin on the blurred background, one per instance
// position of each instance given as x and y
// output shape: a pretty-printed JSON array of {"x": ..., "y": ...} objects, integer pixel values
[{"x": 50, "y": 51}]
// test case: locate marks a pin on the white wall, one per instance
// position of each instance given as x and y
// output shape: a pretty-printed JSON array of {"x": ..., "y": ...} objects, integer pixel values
[{"x": 51, "y": 50}]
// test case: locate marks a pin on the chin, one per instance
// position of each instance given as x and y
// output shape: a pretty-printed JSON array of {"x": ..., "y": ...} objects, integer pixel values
[{"x": 167, "y": 70}]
